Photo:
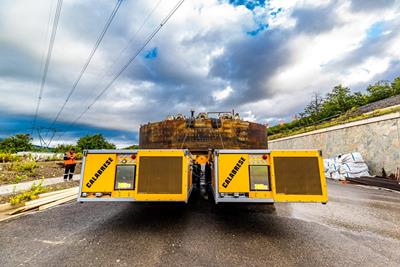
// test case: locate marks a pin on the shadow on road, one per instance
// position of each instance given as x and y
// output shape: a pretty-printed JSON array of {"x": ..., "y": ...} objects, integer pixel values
[{"x": 174, "y": 217}]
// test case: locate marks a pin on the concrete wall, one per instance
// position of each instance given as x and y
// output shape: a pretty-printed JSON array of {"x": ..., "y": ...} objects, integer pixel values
[{"x": 377, "y": 139}]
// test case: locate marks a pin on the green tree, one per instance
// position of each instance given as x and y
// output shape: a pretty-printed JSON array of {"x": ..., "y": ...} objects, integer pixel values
[
  {"x": 359, "y": 99},
  {"x": 338, "y": 101},
  {"x": 62, "y": 148},
  {"x": 96, "y": 141},
  {"x": 396, "y": 86},
  {"x": 16, "y": 143},
  {"x": 313, "y": 109},
  {"x": 379, "y": 91}
]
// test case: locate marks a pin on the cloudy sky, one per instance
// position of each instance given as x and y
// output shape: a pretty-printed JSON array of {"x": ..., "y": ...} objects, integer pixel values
[{"x": 262, "y": 58}]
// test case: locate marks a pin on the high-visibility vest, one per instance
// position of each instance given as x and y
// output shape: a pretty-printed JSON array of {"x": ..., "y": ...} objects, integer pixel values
[{"x": 68, "y": 160}]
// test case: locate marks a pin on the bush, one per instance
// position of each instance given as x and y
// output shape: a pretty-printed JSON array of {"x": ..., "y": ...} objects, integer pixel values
[
  {"x": 25, "y": 167},
  {"x": 79, "y": 156},
  {"x": 16, "y": 143},
  {"x": 96, "y": 141},
  {"x": 8, "y": 157},
  {"x": 337, "y": 103},
  {"x": 339, "y": 120},
  {"x": 19, "y": 178},
  {"x": 33, "y": 193}
]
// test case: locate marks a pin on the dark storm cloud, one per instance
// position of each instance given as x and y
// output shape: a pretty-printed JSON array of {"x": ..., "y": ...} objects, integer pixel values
[
  {"x": 18, "y": 63},
  {"x": 86, "y": 19},
  {"x": 370, "y": 5},
  {"x": 184, "y": 73},
  {"x": 248, "y": 64},
  {"x": 177, "y": 79},
  {"x": 316, "y": 20},
  {"x": 13, "y": 124},
  {"x": 171, "y": 84}
]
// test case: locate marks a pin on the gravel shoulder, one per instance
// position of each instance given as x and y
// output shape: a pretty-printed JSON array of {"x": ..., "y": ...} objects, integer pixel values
[{"x": 48, "y": 169}]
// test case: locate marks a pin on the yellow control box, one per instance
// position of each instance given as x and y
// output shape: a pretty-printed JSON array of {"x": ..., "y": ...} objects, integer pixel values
[
  {"x": 136, "y": 175},
  {"x": 267, "y": 176}
]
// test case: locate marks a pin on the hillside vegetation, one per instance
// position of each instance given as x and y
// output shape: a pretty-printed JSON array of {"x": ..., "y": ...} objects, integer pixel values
[{"x": 338, "y": 106}]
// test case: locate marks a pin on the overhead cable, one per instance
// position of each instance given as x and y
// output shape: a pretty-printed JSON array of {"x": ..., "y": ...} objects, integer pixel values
[
  {"x": 149, "y": 38},
  {"x": 85, "y": 66},
  {"x": 146, "y": 42},
  {"x": 48, "y": 58}
]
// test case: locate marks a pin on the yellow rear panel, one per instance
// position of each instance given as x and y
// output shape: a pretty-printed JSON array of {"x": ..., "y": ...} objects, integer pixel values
[
  {"x": 99, "y": 173},
  {"x": 281, "y": 176},
  {"x": 160, "y": 175},
  {"x": 297, "y": 176},
  {"x": 164, "y": 181},
  {"x": 233, "y": 173}
]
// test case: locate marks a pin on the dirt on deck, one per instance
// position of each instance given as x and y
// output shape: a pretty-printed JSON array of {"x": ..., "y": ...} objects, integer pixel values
[{"x": 17, "y": 172}]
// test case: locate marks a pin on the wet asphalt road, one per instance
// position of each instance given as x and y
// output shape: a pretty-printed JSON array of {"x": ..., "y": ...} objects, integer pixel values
[{"x": 358, "y": 227}]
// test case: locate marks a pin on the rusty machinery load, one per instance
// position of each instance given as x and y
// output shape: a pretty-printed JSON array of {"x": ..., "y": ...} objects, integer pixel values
[
  {"x": 215, "y": 153},
  {"x": 205, "y": 131}
]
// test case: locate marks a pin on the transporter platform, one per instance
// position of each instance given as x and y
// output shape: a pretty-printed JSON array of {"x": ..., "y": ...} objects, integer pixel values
[{"x": 225, "y": 157}]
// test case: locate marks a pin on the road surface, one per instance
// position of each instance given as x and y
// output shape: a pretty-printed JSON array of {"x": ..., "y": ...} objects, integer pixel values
[{"x": 359, "y": 226}]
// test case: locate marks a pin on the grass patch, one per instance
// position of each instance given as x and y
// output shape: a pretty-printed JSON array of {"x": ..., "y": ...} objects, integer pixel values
[
  {"x": 8, "y": 157},
  {"x": 31, "y": 194},
  {"x": 20, "y": 178},
  {"x": 31, "y": 171},
  {"x": 26, "y": 167}
]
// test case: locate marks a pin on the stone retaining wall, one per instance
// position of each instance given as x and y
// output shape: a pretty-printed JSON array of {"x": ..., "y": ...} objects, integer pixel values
[{"x": 377, "y": 139}]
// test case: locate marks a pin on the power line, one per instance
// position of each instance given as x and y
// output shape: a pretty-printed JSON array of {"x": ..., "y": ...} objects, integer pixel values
[
  {"x": 110, "y": 19},
  {"x": 44, "y": 53},
  {"x": 131, "y": 40},
  {"x": 149, "y": 38},
  {"x": 45, "y": 38},
  {"x": 134, "y": 36},
  {"x": 48, "y": 58}
]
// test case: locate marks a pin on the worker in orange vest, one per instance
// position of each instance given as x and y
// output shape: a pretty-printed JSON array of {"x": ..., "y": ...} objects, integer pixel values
[{"x": 69, "y": 163}]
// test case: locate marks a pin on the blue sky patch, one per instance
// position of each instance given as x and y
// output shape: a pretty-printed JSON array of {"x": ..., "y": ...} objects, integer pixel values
[
  {"x": 261, "y": 27},
  {"x": 276, "y": 12},
  {"x": 375, "y": 30},
  {"x": 249, "y": 4},
  {"x": 152, "y": 53}
]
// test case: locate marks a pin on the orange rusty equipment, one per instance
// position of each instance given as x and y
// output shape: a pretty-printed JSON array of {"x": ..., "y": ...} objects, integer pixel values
[{"x": 201, "y": 133}]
